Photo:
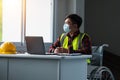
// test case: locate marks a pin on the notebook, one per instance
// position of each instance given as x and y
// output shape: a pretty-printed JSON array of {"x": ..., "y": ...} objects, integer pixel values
[{"x": 35, "y": 45}]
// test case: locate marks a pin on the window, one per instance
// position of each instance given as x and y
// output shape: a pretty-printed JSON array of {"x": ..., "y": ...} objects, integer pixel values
[
  {"x": 11, "y": 20},
  {"x": 36, "y": 20},
  {"x": 0, "y": 20}
]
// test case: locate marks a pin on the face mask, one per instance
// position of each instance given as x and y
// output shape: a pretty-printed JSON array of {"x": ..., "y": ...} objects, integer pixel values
[{"x": 66, "y": 28}]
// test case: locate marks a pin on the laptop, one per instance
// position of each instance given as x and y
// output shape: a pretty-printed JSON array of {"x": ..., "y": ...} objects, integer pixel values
[{"x": 35, "y": 45}]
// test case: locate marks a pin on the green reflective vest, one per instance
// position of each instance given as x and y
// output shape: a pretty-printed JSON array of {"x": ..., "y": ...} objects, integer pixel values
[{"x": 77, "y": 42}]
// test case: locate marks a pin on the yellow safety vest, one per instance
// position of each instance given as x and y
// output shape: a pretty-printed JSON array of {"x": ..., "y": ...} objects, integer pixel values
[{"x": 76, "y": 43}]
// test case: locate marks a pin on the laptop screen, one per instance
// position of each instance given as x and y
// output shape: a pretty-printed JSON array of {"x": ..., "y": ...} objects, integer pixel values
[{"x": 35, "y": 45}]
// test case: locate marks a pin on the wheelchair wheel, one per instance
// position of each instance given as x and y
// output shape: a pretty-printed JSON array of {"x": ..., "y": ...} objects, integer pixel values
[{"x": 101, "y": 73}]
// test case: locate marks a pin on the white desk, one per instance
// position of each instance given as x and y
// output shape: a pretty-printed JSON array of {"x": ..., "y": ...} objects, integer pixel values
[{"x": 43, "y": 67}]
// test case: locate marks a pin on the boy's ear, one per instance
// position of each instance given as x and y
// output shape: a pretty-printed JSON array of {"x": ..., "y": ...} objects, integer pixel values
[{"x": 75, "y": 25}]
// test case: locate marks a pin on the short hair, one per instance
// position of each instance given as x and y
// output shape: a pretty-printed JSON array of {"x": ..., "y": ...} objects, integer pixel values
[{"x": 76, "y": 19}]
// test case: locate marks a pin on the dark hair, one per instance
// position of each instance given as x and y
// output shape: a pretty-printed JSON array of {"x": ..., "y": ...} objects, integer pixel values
[{"x": 76, "y": 19}]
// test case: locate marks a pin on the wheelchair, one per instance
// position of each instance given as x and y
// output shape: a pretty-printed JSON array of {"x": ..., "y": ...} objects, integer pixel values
[{"x": 96, "y": 70}]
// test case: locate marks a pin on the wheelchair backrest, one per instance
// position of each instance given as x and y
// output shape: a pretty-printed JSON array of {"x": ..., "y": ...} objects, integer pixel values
[{"x": 97, "y": 55}]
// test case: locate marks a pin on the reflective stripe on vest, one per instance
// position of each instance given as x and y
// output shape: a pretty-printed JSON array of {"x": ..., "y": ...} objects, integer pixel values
[{"x": 77, "y": 41}]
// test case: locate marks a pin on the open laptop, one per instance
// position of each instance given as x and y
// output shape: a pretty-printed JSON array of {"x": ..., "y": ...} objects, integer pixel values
[{"x": 35, "y": 45}]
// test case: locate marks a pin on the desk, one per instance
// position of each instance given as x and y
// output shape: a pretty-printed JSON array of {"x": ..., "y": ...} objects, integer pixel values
[{"x": 43, "y": 67}]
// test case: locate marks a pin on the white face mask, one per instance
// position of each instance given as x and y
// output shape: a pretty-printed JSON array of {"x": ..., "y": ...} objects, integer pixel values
[{"x": 66, "y": 28}]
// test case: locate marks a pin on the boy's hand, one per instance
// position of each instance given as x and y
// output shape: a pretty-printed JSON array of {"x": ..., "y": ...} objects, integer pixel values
[{"x": 60, "y": 50}]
